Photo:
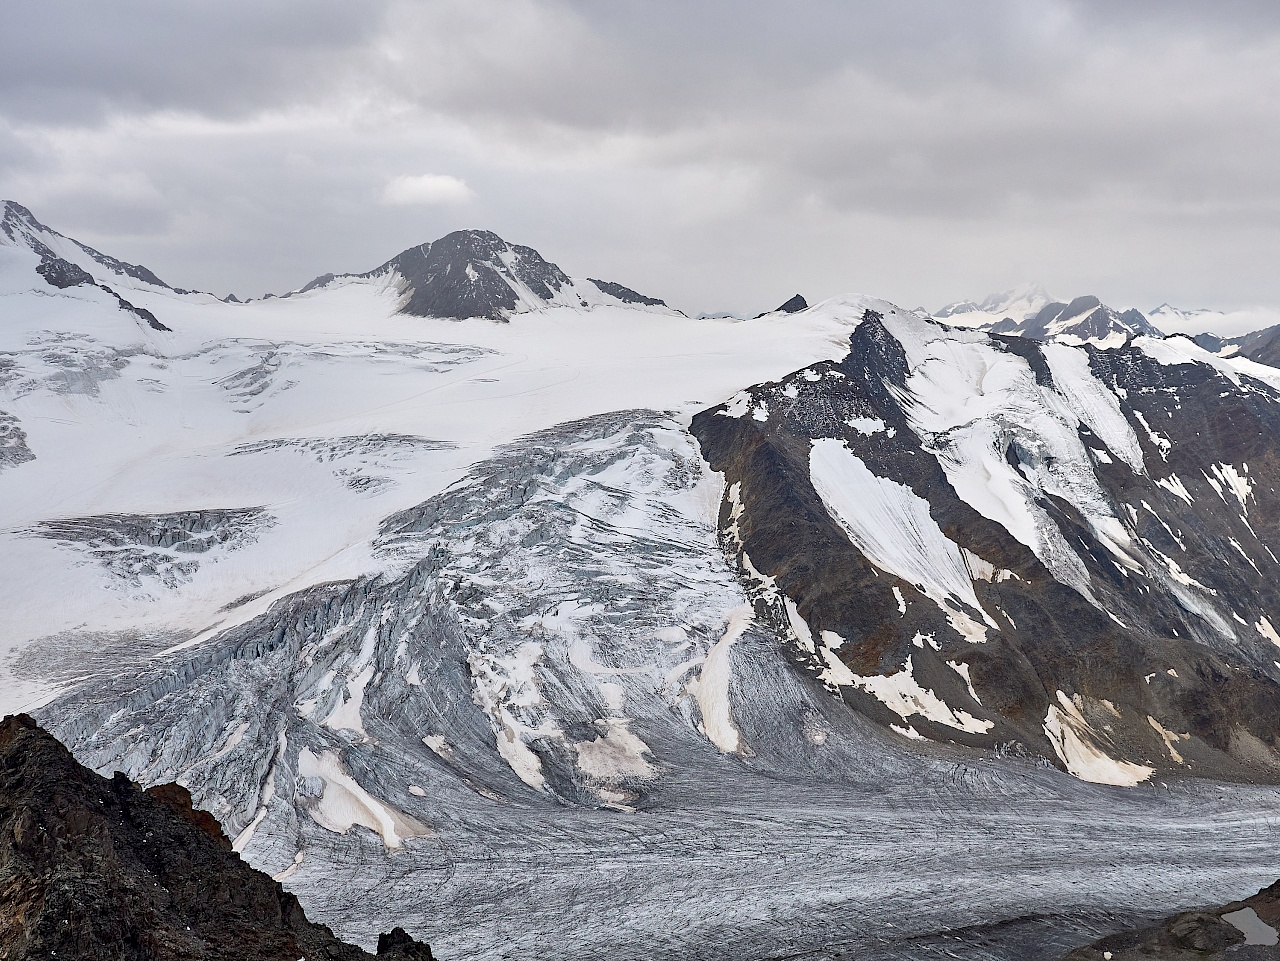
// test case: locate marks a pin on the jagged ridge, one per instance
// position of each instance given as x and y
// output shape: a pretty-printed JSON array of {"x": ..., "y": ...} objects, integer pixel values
[{"x": 92, "y": 868}]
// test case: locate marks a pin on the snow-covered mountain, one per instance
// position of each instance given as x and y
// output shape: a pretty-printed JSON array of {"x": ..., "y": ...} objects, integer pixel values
[
  {"x": 62, "y": 259},
  {"x": 1229, "y": 324},
  {"x": 1019, "y": 303},
  {"x": 1018, "y": 543},
  {"x": 461, "y": 625},
  {"x": 475, "y": 273},
  {"x": 1084, "y": 320},
  {"x": 1030, "y": 312}
]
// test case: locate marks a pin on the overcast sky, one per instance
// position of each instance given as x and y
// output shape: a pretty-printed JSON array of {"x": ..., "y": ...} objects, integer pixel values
[{"x": 722, "y": 154}]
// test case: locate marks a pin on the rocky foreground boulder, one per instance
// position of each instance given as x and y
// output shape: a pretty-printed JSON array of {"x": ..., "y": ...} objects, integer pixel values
[
  {"x": 92, "y": 868},
  {"x": 1241, "y": 931}
]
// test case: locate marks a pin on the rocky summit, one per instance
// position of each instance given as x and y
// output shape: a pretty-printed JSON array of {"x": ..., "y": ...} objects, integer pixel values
[
  {"x": 475, "y": 273},
  {"x": 94, "y": 868}
]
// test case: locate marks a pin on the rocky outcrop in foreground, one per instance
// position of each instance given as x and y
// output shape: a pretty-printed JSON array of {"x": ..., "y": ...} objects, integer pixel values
[
  {"x": 92, "y": 868},
  {"x": 1240, "y": 931}
]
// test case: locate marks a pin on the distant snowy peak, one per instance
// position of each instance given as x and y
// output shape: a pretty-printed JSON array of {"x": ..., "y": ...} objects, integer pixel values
[
  {"x": 1176, "y": 319},
  {"x": 1020, "y": 303},
  {"x": 475, "y": 273},
  {"x": 1029, "y": 311},
  {"x": 65, "y": 262},
  {"x": 1084, "y": 320}
]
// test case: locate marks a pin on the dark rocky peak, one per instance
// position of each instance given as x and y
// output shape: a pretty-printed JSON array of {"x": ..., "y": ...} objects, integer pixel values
[
  {"x": 92, "y": 868},
  {"x": 474, "y": 273},
  {"x": 792, "y": 306},
  {"x": 21, "y": 229},
  {"x": 1262, "y": 346}
]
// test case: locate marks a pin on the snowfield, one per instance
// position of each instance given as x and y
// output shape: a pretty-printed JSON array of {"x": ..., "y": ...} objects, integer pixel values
[{"x": 279, "y": 405}]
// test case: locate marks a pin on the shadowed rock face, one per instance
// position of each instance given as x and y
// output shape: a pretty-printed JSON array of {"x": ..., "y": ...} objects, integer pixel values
[
  {"x": 20, "y": 227},
  {"x": 792, "y": 306},
  {"x": 1129, "y": 621},
  {"x": 92, "y": 868},
  {"x": 1261, "y": 345},
  {"x": 468, "y": 273},
  {"x": 475, "y": 273},
  {"x": 626, "y": 294}
]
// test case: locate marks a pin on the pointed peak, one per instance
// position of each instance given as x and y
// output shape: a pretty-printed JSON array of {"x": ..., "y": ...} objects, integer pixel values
[
  {"x": 792, "y": 306},
  {"x": 20, "y": 228},
  {"x": 11, "y": 209}
]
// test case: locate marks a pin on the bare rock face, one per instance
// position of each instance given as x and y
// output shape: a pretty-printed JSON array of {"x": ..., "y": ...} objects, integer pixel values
[
  {"x": 982, "y": 539},
  {"x": 92, "y": 868},
  {"x": 475, "y": 273},
  {"x": 1241, "y": 931}
]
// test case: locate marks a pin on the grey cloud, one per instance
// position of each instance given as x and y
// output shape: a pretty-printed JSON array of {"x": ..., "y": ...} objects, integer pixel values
[
  {"x": 721, "y": 154},
  {"x": 73, "y": 61}
]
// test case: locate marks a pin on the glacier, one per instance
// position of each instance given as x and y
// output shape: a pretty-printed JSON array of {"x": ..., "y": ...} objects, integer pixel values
[{"x": 589, "y": 628}]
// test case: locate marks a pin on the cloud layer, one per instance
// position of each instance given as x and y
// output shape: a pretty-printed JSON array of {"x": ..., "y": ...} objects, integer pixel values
[{"x": 722, "y": 155}]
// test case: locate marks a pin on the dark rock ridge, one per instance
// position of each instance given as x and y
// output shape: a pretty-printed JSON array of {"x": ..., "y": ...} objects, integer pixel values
[
  {"x": 475, "y": 273},
  {"x": 1086, "y": 318},
  {"x": 792, "y": 306},
  {"x": 92, "y": 868},
  {"x": 22, "y": 229},
  {"x": 626, "y": 294},
  {"x": 1242, "y": 930},
  {"x": 1141, "y": 643},
  {"x": 1260, "y": 345}
]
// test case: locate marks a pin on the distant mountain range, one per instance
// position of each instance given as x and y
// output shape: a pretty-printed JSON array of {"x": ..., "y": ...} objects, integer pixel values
[{"x": 1030, "y": 312}]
